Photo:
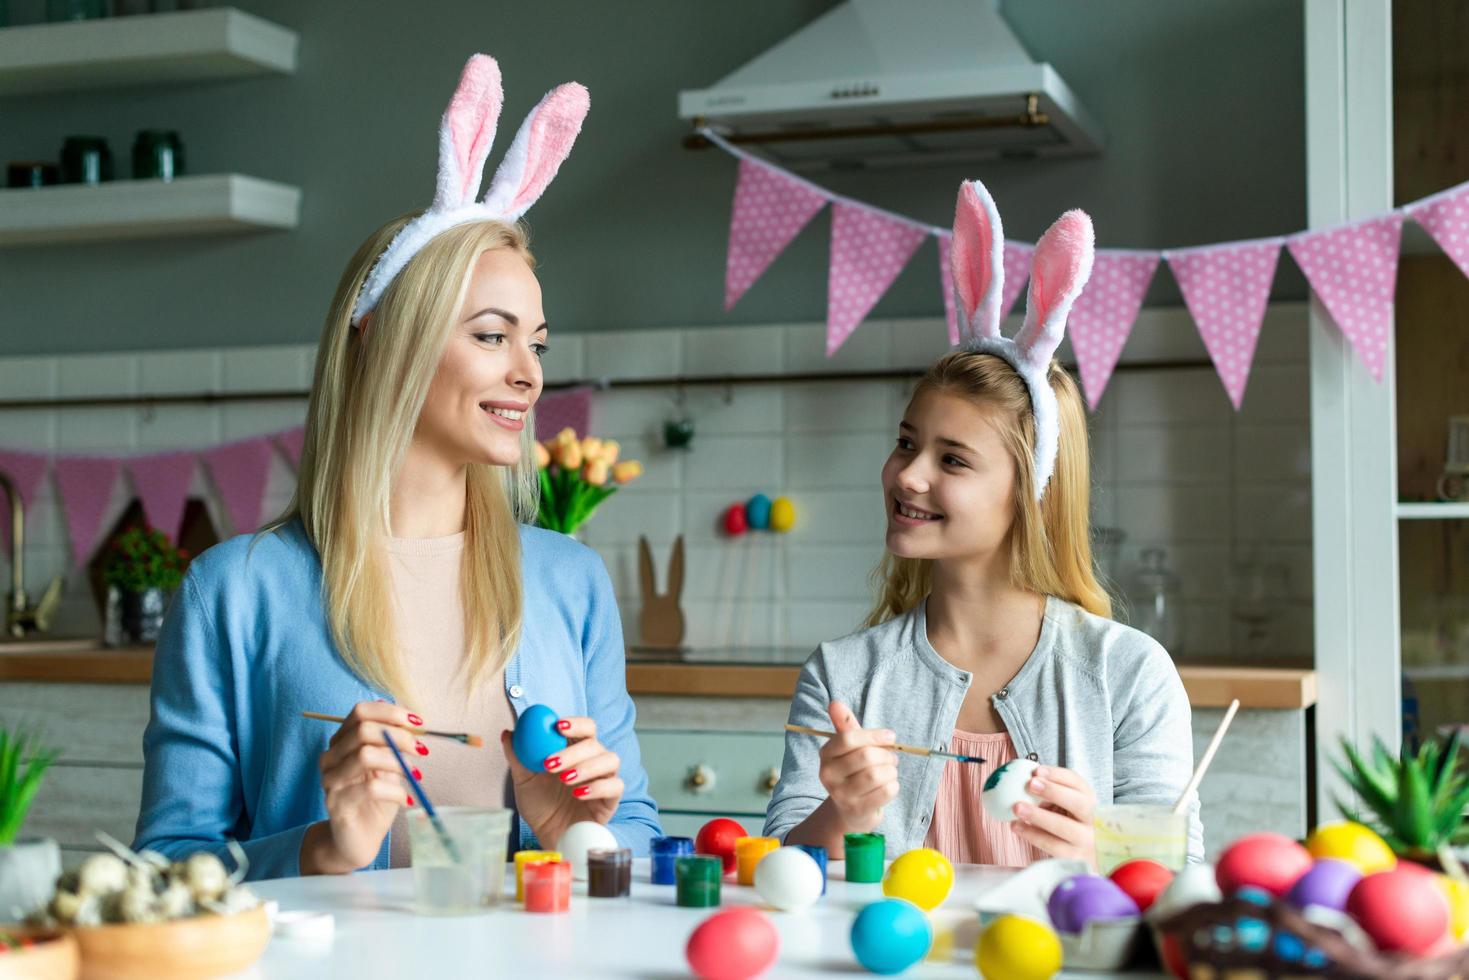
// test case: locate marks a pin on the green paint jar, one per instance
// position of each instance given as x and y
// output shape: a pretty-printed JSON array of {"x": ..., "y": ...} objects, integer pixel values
[
  {"x": 865, "y": 854},
  {"x": 697, "y": 880}
]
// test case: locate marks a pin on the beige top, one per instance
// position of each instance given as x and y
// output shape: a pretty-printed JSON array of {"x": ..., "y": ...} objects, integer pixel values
[{"x": 425, "y": 580}]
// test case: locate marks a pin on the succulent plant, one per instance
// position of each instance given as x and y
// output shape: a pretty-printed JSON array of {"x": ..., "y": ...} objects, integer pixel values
[{"x": 1416, "y": 801}]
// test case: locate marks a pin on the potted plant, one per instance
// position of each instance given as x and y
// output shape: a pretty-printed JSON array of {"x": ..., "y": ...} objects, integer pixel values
[
  {"x": 1415, "y": 801},
  {"x": 28, "y": 867},
  {"x": 141, "y": 569},
  {"x": 576, "y": 476}
]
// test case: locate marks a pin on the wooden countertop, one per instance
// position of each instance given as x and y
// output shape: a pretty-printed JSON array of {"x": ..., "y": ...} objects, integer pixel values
[{"x": 1208, "y": 687}]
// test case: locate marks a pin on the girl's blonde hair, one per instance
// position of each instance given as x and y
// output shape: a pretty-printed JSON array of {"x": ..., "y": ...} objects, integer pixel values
[
  {"x": 366, "y": 396},
  {"x": 1050, "y": 539}
]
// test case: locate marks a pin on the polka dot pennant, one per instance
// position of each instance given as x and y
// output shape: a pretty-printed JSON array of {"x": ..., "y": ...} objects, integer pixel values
[
  {"x": 1017, "y": 271},
  {"x": 25, "y": 471},
  {"x": 85, "y": 485},
  {"x": 769, "y": 210},
  {"x": 1226, "y": 288},
  {"x": 1446, "y": 217},
  {"x": 162, "y": 484},
  {"x": 1104, "y": 313},
  {"x": 1354, "y": 272},
  {"x": 946, "y": 287},
  {"x": 868, "y": 250},
  {"x": 569, "y": 410}
]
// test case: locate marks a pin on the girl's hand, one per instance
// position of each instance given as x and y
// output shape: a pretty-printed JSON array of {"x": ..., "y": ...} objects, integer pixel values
[
  {"x": 1062, "y": 826},
  {"x": 858, "y": 771},
  {"x": 363, "y": 786},
  {"x": 580, "y": 782}
]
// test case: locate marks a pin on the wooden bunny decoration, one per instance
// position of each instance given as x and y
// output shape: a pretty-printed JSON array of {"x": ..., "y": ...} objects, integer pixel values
[{"x": 661, "y": 622}]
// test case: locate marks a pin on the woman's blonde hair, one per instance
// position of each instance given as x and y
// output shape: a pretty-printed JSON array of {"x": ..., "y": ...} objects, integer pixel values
[
  {"x": 366, "y": 396},
  {"x": 1050, "y": 539}
]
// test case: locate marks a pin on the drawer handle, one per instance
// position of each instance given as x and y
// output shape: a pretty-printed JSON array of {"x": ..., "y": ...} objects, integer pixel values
[
  {"x": 768, "y": 783},
  {"x": 701, "y": 779}
]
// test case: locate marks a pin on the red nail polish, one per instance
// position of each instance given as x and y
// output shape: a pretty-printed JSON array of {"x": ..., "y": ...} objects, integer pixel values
[
  {"x": 568, "y": 775},
  {"x": 563, "y": 725},
  {"x": 552, "y": 763},
  {"x": 410, "y": 801},
  {"x": 415, "y": 721},
  {"x": 416, "y": 773},
  {"x": 420, "y": 748},
  {"x": 581, "y": 791}
]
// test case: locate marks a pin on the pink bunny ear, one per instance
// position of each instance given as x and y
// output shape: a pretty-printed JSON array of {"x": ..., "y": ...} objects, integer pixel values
[
  {"x": 542, "y": 144},
  {"x": 977, "y": 259},
  {"x": 1059, "y": 271},
  {"x": 466, "y": 132}
]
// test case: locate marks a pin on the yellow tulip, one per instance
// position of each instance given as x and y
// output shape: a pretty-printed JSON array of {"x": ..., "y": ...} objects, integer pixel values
[
  {"x": 543, "y": 456},
  {"x": 627, "y": 471},
  {"x": 568, "y": 455},
  {"x": 566, "y": 435},
  {"x": 610, "y": 449},
  {"x": 595, "y": 473}
]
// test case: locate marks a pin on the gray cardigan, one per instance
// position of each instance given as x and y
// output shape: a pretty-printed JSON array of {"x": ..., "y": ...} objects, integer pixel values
[{"x": 1094, "y": 696}]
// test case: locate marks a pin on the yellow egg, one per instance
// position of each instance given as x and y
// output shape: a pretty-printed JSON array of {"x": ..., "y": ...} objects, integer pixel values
[
  {"x": 923, "y": 876},
  {"x": 782, "y": 514},
  {"x": 1353, "y": 843},
  {"x": 1014, "y": 947},
  {"x": 1457, "y": 892}
]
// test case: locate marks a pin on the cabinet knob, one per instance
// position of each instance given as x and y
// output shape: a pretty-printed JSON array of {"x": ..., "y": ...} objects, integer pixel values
[
  {"x": 768, "y": 782},
  {"x": 701, "y": 778}
]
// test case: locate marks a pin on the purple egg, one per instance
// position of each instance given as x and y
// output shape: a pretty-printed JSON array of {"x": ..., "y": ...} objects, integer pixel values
[
  {"x": 1327, "y": 883},
  {"x": 1082, "y": 898}
]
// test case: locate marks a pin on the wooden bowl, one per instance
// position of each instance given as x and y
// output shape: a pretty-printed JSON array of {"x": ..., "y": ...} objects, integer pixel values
[
  {"x": 184, "y": 949},
  {"x": 54, "y": 957}
]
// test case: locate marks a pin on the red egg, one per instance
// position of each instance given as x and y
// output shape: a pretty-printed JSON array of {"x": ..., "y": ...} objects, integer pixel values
[
  {"x": 1142, "y": 880},
  {"x": 734, "y": 520},
  {"x": 735, "y": 944},
  {"x": 1269, "y": 861},
  {"x": 1402, "y": 911},
  {"x": 1170, "y": 951},
  {"x": 718, "y": 837}
]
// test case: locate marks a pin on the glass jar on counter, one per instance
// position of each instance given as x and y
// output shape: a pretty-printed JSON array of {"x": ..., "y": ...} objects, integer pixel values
[{"x": 1159, "y": 611}]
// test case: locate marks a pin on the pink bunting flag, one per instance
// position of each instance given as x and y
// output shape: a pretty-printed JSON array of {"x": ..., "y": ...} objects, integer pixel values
[
  {"x": 1104, "y": 314},
  {"x": 1445, "y": 216},
  {"x": 240, "y": 470},
  {"x": 1017, "y": 271},
  {"x": 1227, "y": 288},
  {"x": 25, "y": 471},
  {"x": 1353, "y": 270},
  {"x": 162, "y": 482},
  {"x": 868, "y": 250},
  {"x": 770, "y": 209},
  {"x": 568, "y": 410},
  {"x": 85, "y": 484},
  {"x": 946, "y": 286},
  {"x": 291, "y": 442}
]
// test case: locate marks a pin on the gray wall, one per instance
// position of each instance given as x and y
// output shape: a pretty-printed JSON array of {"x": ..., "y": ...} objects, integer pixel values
[{"x": 1202, "y": 103}]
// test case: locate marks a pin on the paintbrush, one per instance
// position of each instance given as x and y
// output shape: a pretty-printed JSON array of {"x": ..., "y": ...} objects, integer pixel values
[
  {"x": 910, "y": 749},
  {"x": 474, "y": 741},
  {"x": 428, "y": 808}
]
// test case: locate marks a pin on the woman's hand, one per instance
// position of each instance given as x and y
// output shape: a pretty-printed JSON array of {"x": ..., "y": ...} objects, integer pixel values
[
  {"x": 363, "y": 785},
  {"x": 858, "y": 770},
  {"x": 1062, "y": 825},
  {"x": 579, "y": 783}
]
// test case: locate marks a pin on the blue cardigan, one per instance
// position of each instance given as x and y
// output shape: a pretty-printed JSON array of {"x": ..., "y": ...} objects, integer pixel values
[{"x": 246, "y": 648}]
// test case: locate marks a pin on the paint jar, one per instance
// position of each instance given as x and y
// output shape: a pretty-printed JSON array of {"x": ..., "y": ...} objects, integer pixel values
[
  {"x": 818, "y": 854},
  {"x": 522, "y": 858},
  {"x": 865, "y": 854},
  {"x": 698, "y": 877},
  {"x": 547, "y": 886},
  {"x": 665, "y": 850},
  {"x": 748, "y": 852},
  {"x": 609, "y": 873}
]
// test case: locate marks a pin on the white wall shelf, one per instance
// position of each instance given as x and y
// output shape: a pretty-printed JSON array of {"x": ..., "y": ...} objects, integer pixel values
[
  {"x": 1433, "y": 511},
  {"x": 198, "y": 205},
  {"x": 196, "y": 45}
]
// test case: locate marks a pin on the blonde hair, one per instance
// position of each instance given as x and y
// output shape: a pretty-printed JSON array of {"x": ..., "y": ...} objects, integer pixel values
[
  {"x": 366, "y": 396},
  {"x": 1050, "y": 539}
]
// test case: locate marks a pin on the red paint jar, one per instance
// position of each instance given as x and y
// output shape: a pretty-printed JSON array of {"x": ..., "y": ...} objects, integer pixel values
[{"x": 547, "y": 886}]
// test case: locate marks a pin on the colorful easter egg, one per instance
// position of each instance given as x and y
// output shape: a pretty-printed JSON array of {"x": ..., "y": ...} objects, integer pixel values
[
  {"x": 923, "y": 876},
  {"x": 890, "y": 935},
  {"x": 782, "y": 514},
  {"x": 1403, "y": 912},
  {"x": 1014, "y": 947},
  {"x": 1005, "y": 787},
  {"x": 1354, "y": 843},
  {"x": 789, "y": 879},
  {"x": 734, "y": 520},
  {"x": 717, "y": 837},
  {"x": 1142, "y": 880},
  {"x": 1082, "y": 898},
  {"x": 757, "y": 512},
  {"x": 735, "y": 944},
  {"x": 535, "y": 738},
  {"x": 1327, "y": 883},
  {"x": 1269, "y": 861}
]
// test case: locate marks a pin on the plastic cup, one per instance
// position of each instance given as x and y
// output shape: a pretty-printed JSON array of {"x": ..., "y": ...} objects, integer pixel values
[
  {"x": 468, "y": 877},
  {"x": 1126, "y": 831}
]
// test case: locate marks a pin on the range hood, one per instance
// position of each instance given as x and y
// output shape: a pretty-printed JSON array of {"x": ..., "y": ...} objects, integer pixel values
[{"x": 877, "y": 83}]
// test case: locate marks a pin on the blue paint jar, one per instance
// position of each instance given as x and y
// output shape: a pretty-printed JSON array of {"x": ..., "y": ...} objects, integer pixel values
[
  {"x": 818, "y": 854},
  {"x": 664, "y": 851}
]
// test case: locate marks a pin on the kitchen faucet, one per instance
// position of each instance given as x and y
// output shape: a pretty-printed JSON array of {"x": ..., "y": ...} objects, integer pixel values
[{"x": 20, "y": 617}]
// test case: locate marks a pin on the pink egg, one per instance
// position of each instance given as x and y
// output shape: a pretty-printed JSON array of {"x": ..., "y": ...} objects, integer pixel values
[
  {"x": 735, "y": 944},
  {"x": 1269, "y": 861},
  {"x": 1402, "y": 911}
]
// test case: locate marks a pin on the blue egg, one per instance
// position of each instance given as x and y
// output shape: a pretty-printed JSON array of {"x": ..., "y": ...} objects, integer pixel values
[
  {"x": 757, "y": 512},
  {"x": 536, "y": 737},
  {"x": 891, "y": 935}
]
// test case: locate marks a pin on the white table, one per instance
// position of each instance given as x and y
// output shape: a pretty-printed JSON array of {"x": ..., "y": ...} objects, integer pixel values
[{"x": 378, "y": 934}]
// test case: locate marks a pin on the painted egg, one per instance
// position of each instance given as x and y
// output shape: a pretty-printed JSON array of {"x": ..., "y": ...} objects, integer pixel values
[
  {"x": 1193, "y": 884},
  {"x": 1142, "y": 880},
  {"x": 1083, "y": 898},
  {"x": 782, "y": 514},
  {"x": 1327, "y": 883},
  {"x": 1269, "y": 861},
  {"x": 735, "y": 944},
  {"x": 1457, "y": 893},
  {"x": 718, "y": 837},
  {"x": 1402, "y": 911},
  {"x": 578, "y": 839},
  {"x": 1348, "y": 841},
  {"x": 535, "y": 738},
  {"x": 923, "y": 876},
  {"x": 757, "y": 512},
  {"x": 1014, "y": 947},
  {"x": 734, "y": 520},
  {"x": 1005, "y": 787},
  {"x": 789, "y": 879},
  {"x": 891, "y": 935}
]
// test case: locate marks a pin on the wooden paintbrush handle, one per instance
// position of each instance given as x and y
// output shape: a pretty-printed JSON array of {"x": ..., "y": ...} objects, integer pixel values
[
  {"x": 338, "y": 719},
  {"x": 803, "y": 730}
]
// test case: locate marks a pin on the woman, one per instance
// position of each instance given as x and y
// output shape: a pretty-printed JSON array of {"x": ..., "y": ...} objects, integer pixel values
[{"x": 403, "y": 587}]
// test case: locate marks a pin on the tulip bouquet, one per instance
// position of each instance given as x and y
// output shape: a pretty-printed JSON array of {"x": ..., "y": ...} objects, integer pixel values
[{"x": 576, "y": 476}]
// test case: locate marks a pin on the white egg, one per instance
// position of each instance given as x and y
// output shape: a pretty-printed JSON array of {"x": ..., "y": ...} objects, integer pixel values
[
  {"x": 788, "y": 878},
  {"x": 580, "y": 838},
  {"x": 1194, "y": 885},
  {"x": 1006, "y": 787}
]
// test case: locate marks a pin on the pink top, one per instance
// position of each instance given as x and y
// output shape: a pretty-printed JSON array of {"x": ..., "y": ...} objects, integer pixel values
[{"x": 961, "y": 830}]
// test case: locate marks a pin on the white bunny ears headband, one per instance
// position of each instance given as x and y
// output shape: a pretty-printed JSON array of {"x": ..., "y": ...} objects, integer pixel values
[
  {"x": 1059, "y": 269},
  {"x": 465, "y": 135}
]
